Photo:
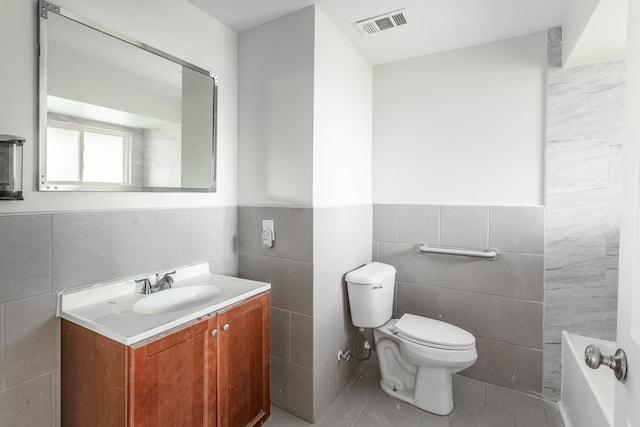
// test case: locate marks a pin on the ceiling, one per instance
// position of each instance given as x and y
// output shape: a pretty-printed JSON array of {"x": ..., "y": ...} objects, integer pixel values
[{"x": 432, "y": 25}]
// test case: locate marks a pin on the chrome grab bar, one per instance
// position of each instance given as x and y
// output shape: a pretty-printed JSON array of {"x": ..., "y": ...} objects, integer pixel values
[{"x": 488, "y": 254}]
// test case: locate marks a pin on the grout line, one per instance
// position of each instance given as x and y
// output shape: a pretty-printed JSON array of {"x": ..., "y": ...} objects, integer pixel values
[
  {"x": 439, "y": 225},
  {"x": 54, "y": 410},
  {"x": 488, "y": 227},
  {"x": 361, "y": 411},
  {"x": 51, "y": 248},
  {"x": 397, "y": 237},
  {"x": 2, "y": 359},
  {"x": 290, "y": 338},
  {"x": 484, "y": 401}
]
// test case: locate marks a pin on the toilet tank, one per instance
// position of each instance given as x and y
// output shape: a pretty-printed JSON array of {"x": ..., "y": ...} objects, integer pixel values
[{"x": 370, "y": 289}]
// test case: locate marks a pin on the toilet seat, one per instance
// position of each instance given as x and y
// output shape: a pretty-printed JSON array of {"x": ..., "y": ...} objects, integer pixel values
[{"x": 433, "y": 333}]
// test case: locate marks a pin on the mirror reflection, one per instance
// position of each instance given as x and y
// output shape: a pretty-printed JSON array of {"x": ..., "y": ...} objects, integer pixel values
[{"x": 117, "y": 115}]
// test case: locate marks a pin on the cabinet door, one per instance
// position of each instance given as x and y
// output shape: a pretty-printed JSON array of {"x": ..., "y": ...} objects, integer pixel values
[
  {"x": 93, "y": 379},
  {"x": 170, "y": 377},
  {"x": 244, "y": 363}
]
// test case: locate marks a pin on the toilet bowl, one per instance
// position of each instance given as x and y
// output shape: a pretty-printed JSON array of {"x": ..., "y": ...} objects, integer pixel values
[
  {"x": 417, "y": 355},
  {"x": 419, "y": 372}
]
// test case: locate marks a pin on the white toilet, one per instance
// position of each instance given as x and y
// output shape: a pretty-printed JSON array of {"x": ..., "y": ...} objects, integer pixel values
[{"x": 417, "y": 355}]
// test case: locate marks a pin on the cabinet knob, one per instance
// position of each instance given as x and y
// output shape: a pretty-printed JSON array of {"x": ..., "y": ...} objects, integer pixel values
[
  {"x": 214, "y": 332},
  {"x": 225, "y": 327}
]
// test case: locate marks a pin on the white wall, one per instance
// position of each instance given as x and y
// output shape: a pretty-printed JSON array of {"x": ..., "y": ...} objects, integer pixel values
[
  {"x": 174, "y": 26},
  {"x": 575, "y": 23},
  {"x": 594, "y": 31},
  {"x": 462, "y": 127},
  {"x": 129, "y": 79},
  {"x": 342, "y": 127},
  {"x": 276, "y": 112}
]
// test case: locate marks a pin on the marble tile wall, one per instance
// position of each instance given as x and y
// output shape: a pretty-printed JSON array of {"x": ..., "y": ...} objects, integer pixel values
[
  {"x": 500, "y": 301},
  {"x": 162, "y": 157},
  {"x": 41, "y": 254},
  {"x": 585, "y": 120},
  {"x": 314, "y": 248}
]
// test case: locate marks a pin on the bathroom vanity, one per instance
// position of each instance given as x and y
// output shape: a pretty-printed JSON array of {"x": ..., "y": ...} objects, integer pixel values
[{"x": 177, "y": 361}]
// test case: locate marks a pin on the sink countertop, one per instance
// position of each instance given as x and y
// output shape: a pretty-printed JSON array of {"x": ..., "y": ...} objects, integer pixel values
[{"x": 106, "y": 308}]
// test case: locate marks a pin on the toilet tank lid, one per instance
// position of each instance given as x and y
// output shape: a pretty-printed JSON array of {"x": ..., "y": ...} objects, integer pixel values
[{"x": 371, "y": 274}]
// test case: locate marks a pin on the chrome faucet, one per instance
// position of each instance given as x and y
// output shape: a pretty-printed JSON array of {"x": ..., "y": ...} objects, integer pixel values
[
  {"x": 162, "y": 283},
  {"x": 146, "y": 286},
  {"x": 165, "y": 282}
]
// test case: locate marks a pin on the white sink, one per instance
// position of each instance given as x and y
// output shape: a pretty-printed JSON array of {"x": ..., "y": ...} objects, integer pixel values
[
  {"x": 176, "y": 299},
  {"x": 120, "y": 312}
]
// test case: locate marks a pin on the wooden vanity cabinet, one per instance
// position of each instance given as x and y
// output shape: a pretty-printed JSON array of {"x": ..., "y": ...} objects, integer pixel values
[
  {"x": 244, "y": 355},
  {"x": 211, "y": 372},
  {"x": 170, "y": 379}
]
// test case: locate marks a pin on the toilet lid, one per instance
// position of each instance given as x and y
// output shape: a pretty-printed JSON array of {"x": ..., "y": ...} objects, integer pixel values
[{"x": 433, "y": 333}]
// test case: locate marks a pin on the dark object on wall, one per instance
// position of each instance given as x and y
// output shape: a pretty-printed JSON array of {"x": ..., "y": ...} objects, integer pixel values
[{"x": 11, "y": 167}]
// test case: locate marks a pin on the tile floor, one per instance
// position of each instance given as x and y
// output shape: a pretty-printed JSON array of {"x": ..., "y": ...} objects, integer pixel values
[{"x": 363, "y": 404}]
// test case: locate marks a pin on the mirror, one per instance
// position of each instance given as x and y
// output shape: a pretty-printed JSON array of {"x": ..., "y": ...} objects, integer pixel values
[{"x": 118, "y": 115}]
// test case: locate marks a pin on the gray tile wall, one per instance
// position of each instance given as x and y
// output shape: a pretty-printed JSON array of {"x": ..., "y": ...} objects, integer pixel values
[
  {"x": 313, "y": 250},
  {"x": 342, "y": 241},
  {"x": 288, "y": 266},
  {"x": 585, "y": 121},
  {"x": 44, "y": 253},
  {"x": 500, "y": 301}
]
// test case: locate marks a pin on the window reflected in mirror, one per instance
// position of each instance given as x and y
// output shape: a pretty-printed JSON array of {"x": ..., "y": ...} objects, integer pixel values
[{"x": 78, "y": 154}]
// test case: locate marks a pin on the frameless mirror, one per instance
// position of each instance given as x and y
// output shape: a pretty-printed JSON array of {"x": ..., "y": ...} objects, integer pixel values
[{"x": 119, "y": 115}]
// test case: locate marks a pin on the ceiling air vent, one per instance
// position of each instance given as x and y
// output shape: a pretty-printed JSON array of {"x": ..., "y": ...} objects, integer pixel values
[{"x": 383, "y": 22}]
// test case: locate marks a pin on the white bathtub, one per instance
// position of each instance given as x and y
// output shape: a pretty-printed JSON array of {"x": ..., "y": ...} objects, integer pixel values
[{"x": 587, "y": 394}]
